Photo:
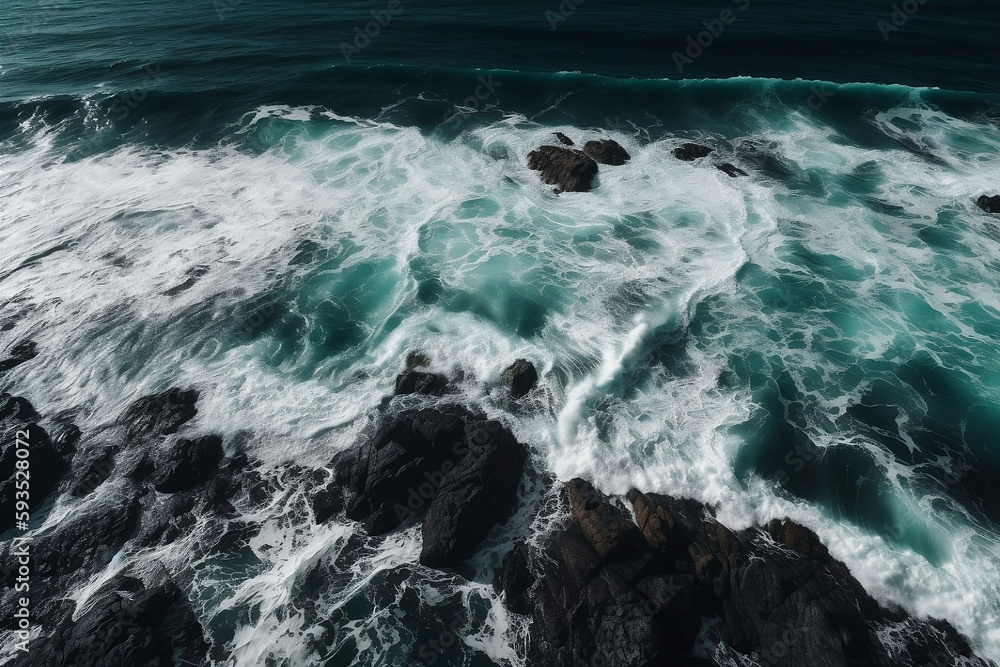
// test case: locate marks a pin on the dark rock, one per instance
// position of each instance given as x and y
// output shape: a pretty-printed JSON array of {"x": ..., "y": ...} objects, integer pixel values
[
  {"x": 418, "y": 382},
  {"x": 236, "y": 477},
  {"x": 96, "y": 473},
  {"x": 691, "y": 152},
  {"x": 563, "y": 139},
  {"x": 476, "y": 495},
  {"x": 160, "y": 414},
  {"x": 125, "y": 624},
  {"x": 520, "y": 377},
  {"x": 609, "y": 529},
  {"x": 163, "y": 522},
  {"x": 394, "y": 475},
  {"x": 989, "y": 204},
  {"x": 66, "y": 439},
  {"x": 456, "y": 469},
  {"x": 635, "y": 593},
  {"x": 18, "y": 424},
  {"x": 516, "y": 579},
  {"x": 607, "y": 151},
  {"x": 19, "y": 354},
  {"x": 568, "y": 169},
  {"x": 87, "y": 539},
  {"x": 188, "y": 464},
  {"x": 730, "y": 169},
  {"x": 417, "y": 360}
]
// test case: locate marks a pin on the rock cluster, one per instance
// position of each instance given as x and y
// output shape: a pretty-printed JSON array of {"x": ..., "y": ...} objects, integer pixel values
[
  {"x": 572, "y": 170},
  {"x": 606, "y": 590},
  {"x": 454, "y": 468}
]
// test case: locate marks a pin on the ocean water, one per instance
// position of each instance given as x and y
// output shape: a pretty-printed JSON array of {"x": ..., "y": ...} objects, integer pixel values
[{"x": 251, "y": 198}]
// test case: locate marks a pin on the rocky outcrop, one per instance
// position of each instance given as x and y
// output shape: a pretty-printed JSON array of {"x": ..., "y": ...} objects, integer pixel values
[
  {"x": 188, "y": 463},
  {"x": 989, "y": 204},
  {"x": 455, "y": 469},
  {"x": 478, "y": 494},
  {"x": 563, "y": 139},
  {"x": 20, "y": 353},
  {"x": 160, "y": 414},
  {"x": 607, "y": 151},
  {"x": 691, "y": 152},
  {"x": 731, "y": 170},
  {"x": 520, "y": 378},
  {"x": 126, "y": 623},
  {"x": 568, "y": 169},
  {"x": 18, "y": 423},
  {"x": 604, "y": 589},
  {"x": 419, "y": 382}
]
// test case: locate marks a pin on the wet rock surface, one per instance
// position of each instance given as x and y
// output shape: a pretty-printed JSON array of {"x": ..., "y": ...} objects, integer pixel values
[
  {"x": 604, "y": 589},
  {"x": 520, "y": 378},
  {"x": 691, "y": 152},
  {"x": 568, "y": 169},
  {"x": 989, "y": 204},
  {"x": 454, "y": 468},
  {"x": 607, "y": 151}
]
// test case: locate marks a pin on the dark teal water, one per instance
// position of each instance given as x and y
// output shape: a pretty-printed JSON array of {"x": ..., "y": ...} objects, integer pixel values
[{"x": 212, "y": 194}]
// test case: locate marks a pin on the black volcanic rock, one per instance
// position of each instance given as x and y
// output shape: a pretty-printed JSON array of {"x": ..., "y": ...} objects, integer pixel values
[
  {"x": 989, "y": 204},
  {"x": 88, "y": 539},
  {"x": 478, "y": 494},
  {"x": 419, "y": 382},
  {"x": 19, "y": 354},
  {"x": 607, "y": 151},
  {"x": 393, "y": 475},
  {"x": 520, "y": 377},
  {"x": 563, "y": 139},
  {"x": 18, "y": 422},
  {"x": 160, "y": 414},
  {"x": 634, "y": 593},
  {"x": 125, "y": 624},
  {"x": 690, "y": 152},
  {"x": 568, "y": 169},
  {"x": 730, "y": 169},
  {"x": 189, "y": 463},
  {"x": 454, "y": 468},
  {"x": 516, "y": 579}
]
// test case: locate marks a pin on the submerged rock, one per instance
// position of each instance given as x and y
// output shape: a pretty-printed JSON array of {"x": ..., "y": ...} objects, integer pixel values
[
  {"x": 520, "y": 378},
  {"x": 989, "y": 204},
  {"x": 690, "y": 152},
  {"x": 568, "y": 169},
  {"x": 730, "y": 169},
  {"x": 607, "y": 151}
]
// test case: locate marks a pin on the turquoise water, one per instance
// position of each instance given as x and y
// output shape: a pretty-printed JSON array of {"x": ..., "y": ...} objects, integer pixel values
[{"x": 212, "y": 196}]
